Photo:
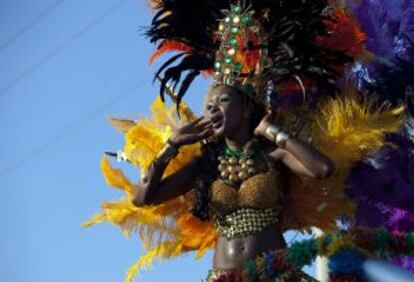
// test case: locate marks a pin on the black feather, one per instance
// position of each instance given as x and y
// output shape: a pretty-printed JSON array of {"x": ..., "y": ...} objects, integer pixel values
[
  {"x": 292, "y": 27},
  {"x": 184, "y": 87}
]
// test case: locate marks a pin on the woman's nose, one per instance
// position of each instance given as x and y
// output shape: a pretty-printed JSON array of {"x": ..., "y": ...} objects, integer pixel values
[
  {"x": 214, "y": 109},
  {"x": 216, "y": 115}
]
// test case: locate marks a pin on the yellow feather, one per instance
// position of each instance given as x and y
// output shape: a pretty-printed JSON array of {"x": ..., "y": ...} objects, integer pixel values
[
  {"x": 148, "y": 137},
  {"x": 164, "y": 250},
  {"x": 159, "y": 227},
  {"x": 123, "y": 125},
  {"x": 346, "y": 130},
  {"x": 116, "y": 178}
]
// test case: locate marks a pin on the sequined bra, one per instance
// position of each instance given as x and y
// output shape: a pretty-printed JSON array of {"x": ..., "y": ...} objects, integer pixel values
[
  {"x": 249, "y": 209},
  {"x": 260, "y": 191}
]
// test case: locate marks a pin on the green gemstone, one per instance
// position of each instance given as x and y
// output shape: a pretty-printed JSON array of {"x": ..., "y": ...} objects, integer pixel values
[
  {"x": 245, "y": 19},
  {"x": 233, "y": 42},
  {"x": 217, "y": 65},
  {"x": 236, "y": 9},
  {"x": 227, "y": 20},
  {"x": 238, "y": 66},
  {"x": 234, "y": 29},
  {"x": 228, "y": 60}
]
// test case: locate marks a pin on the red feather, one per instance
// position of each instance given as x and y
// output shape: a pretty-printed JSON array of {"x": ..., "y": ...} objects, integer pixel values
[
  {"x": 346, "y": 35},
  {"x": 168, "y": 46}
]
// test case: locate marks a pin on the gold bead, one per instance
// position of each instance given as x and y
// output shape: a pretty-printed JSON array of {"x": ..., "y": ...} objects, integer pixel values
[
  {"x": 231, "y": 52},
  {"x": 233, "y": 160},
  {"x": 251, "y": 171},
  {"x": 221, "y": 158},
  {"x": 250, "y": 162},
  {"x": 224, "y": 174},
  {"x": 227, "y": 71},
  {"x": 221, "y": 26},
  {"x": 242, "y": 161},
  {"x": 222, "y": 167},
  {"x": 233, "y": 177},
  {"x": 242, "y": 175},
  {"x": 230, "y": 169}
]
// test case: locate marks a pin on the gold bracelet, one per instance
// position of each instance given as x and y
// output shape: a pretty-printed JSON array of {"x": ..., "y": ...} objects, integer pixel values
[
  {"x": 281, "y": 139},
  {"x": 272, "y": 131},
  {"x": 277, "y": 135},
  {"x": 167, "y": 153}
]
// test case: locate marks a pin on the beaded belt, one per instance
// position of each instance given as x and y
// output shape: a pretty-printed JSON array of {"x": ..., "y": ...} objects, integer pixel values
[{"x": 246, "y": 221}]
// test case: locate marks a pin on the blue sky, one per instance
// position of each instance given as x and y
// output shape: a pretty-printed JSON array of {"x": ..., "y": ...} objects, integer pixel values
[{"x": 59, "y": 79}]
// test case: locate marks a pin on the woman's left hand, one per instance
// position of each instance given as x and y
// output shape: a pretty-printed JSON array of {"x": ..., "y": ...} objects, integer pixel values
[{"x": 260, "y": 130}]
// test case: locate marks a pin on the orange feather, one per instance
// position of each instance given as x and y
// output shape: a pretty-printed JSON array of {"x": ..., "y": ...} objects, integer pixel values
[
  {"x": 346, "y": 35},
  {"x": 168, "y": 46}
]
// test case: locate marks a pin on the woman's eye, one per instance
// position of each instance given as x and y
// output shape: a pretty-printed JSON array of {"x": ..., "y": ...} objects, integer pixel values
[
  {"x": 209, "y": 107},
  {"x": 224, "y": 98}
]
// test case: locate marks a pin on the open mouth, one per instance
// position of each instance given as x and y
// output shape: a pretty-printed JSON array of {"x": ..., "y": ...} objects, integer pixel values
[
  {"x": 217, "y": 121},
  {"x": 218, "y": 124}
]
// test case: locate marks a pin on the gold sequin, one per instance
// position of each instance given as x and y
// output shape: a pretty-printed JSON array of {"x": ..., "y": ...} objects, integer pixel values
[{"x": 244, "y": 222}]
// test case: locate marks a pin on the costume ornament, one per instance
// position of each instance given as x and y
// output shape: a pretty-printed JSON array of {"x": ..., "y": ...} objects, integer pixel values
[{"x": 298, "y": 59}]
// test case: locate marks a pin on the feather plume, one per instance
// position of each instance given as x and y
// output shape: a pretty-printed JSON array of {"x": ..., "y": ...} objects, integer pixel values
[
  {"x": 383, "y": 192},
  {"x": 346, "y": 131},
  {"x": 169, "y": 46},
  {"x": 292, "y": 28},
  {"x": 123, "y": 125},
  {"x": 382, "y": 188},
  {"x": 163, "y": 250},
  {"x": 389, "y": 27},
  {"x": 346, "y": 35},
  {"x": 165, "y": 230}
]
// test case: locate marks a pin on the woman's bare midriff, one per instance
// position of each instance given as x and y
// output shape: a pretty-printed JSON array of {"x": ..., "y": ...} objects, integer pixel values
[{"x": 236, "y": 252}]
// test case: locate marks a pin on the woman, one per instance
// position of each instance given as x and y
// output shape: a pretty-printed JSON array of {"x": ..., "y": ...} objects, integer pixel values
[
  {"x": 248, "y": 178},
  {"x": 233, "y": 116}
]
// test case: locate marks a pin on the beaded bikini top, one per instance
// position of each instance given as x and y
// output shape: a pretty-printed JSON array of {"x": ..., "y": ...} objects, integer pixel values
[
  {"x": 261, "y": 191},
  {"x": 252, "y": 207},
  {"x": 249, "y": 209}
]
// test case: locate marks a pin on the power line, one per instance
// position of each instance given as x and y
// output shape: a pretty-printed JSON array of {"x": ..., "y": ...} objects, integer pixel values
[
  {"x": 60, "y": 47},
  {"x": 54, "y": 139},
  {"x": 30, "y": 24}
]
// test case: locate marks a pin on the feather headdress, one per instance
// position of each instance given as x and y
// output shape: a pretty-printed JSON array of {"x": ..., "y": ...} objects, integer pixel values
[{"x": 299, "y": 39}]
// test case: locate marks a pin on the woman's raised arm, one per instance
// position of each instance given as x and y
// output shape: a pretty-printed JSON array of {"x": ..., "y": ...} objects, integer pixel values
[
  {"x": 156, "y": 190},
  {"x": 298, "y": 156}
]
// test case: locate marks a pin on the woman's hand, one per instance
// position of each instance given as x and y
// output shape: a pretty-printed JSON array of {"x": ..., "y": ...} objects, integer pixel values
[
  {"x": 191, "y": 133},
  {"x": 263, "y": 125}
]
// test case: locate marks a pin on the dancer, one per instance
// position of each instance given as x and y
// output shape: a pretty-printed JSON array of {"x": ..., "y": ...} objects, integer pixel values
[{"x": 258, "y": 162}]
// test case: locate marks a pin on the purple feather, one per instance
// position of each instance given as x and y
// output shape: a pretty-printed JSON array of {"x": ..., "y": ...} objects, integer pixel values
[
  {"x": 405, "y": 262},
  {"x": 385, "y": 23},
  {"x": 389, "y": 27},
  {"x": 383, "y": 181},
  {"x": 383, "y": 192}
]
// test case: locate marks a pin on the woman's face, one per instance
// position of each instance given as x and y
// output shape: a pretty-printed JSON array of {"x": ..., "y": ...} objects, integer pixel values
[{"x": 225, "y": 108}]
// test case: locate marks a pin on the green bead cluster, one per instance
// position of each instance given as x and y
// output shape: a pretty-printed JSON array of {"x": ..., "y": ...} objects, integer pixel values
[
  {"x": 236, "y": 9},
  {"x": 232, "y": 24}
]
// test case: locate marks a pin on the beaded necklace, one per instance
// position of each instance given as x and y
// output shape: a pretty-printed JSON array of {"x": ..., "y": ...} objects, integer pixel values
[{"x": 237, "y": 166}]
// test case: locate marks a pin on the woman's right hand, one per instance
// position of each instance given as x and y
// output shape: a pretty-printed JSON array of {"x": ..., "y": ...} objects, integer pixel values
[{"x": 192, "y": 132}]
